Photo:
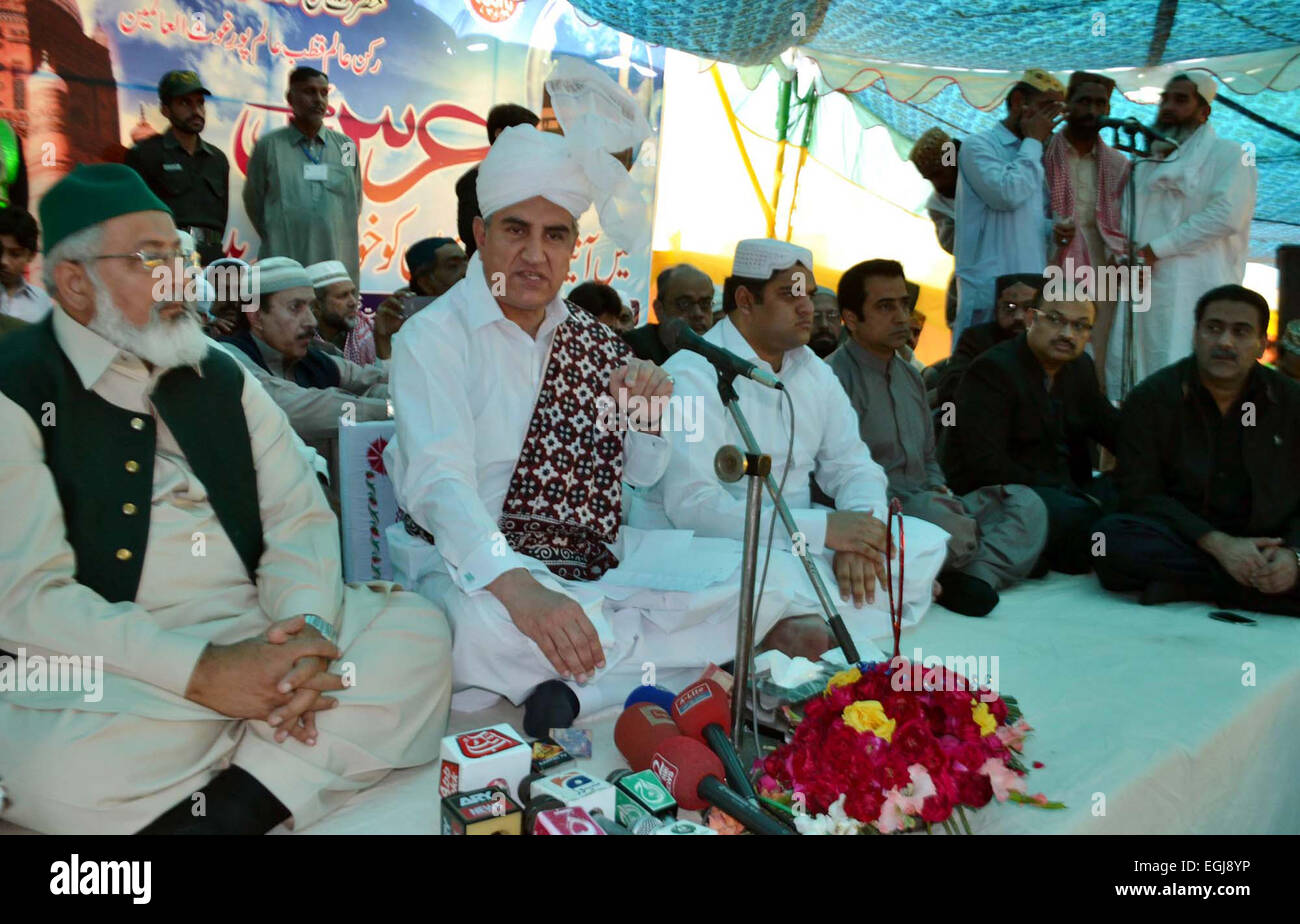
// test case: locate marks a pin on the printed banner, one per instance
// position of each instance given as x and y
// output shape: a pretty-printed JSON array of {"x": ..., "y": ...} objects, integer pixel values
[{"x": 411, "y": 84}]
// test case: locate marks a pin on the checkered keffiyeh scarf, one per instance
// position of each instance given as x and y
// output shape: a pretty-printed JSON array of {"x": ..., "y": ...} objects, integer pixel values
[
  {"x": 565, "y": 497},
  {"x": 1112, "y": 172}
]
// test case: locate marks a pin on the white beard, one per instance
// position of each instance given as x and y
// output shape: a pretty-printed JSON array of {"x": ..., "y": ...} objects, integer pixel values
[{"x": 161, "y": 343}]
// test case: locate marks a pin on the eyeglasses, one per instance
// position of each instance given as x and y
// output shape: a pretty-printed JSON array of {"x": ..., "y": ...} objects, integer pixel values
[
  {"x": 685, "y": 303},
  {"x": 1060, "y": 322},
  {"x": 1014, "y": 307},
  {"x": 152, "y": 259}
]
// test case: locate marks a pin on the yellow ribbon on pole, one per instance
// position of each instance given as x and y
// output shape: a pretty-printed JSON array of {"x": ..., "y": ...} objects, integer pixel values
[{"x": 769, "y": 213}]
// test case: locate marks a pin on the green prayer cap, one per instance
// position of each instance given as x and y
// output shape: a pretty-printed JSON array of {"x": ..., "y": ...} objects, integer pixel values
[{"x": 91, "y": 194}]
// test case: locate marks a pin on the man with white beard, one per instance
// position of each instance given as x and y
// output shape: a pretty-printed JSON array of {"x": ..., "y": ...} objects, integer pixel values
[
  {"x": 1193, "y": 213},
  {"x": 161, "y": 514}
]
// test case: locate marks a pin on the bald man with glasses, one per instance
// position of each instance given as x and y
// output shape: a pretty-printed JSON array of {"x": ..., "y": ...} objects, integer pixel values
[{"x": 1027, "y": 412}]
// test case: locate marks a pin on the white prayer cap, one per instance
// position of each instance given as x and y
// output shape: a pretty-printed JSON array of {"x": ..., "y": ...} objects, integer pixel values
[
  {"x": 275, "y": 274},
  {"x": 327, "y": 272},
  {"x": 523, "y": 163},
  {"x": 760, "y": 257},
  {"x": 1205, "y": 83},
  {"x": 220, "y": 265}
]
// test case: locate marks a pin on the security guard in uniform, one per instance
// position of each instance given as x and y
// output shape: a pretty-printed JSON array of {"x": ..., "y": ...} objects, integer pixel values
[{"x": 182, "y": 169}]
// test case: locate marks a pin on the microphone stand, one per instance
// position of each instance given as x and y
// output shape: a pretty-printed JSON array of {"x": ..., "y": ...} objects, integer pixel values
[
  {"x": 757, "y": 466},
  {"x": 1128, "y": 361}
]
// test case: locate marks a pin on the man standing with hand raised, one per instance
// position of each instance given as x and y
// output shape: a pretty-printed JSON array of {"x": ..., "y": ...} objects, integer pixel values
[{"x": 1002, "y": 224}]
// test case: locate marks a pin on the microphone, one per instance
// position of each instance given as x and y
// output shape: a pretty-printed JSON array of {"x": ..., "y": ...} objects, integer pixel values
[
  {"x": 677, "y": 335},
  {"x": 1134, "y": 127},
  {"x": 702, "y": 711},
  {"x": 549, "y": 815},
  {"x": 693, "y": 775},
  {"x": 660, "y": 696},
  {"x": 638, "y": 732}
]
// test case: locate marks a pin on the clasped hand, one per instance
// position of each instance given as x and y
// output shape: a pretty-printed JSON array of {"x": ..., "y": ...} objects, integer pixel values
[{"x": 279, "y": 677}]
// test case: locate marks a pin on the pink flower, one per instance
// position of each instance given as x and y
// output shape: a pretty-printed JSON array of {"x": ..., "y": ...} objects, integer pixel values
[
  {"x": 1013, "y": 736},
  {"x": 1003, "y": 779}
]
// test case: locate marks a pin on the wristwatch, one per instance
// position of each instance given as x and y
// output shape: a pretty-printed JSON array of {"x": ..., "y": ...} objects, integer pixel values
[{"x": 322, "y": 627}]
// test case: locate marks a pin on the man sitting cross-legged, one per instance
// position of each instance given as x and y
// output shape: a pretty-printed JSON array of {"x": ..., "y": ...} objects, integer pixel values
[
  {"x": 769, "y": 321},
  {"x": 511, "y": 476},
  {"x": 996, "y": 533},
  {"x": 1207, "y": 463},
  {"x": 160, "y": 514}
]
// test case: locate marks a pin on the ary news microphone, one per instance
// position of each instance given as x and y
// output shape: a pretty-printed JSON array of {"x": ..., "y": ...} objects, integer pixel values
[
  {"x": 677, "y": 335},
  {"x": 1134, "y": 127},
  {"x": 694, "y": 776},
  {"x": 638, "y": 732},
  {"x": 703, "y": 712}
]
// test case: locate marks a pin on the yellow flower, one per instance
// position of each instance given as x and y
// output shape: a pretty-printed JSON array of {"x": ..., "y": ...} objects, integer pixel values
[
  {"x": 867, "y": 715},
  {"x": 844, "y": 678},
  {"x": 987, "y": 722}
]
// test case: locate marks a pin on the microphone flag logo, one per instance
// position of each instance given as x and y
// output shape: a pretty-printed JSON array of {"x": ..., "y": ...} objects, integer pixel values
[
  {"x": 484, "y": 743},
  {"x": 665, "y": 769},
  {"x": 693, "y": 696}
]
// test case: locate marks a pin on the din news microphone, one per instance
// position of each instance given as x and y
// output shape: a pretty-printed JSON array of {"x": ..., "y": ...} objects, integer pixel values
[
  {"x": 1134, "y": 127},
  {"x": 693, "y": 774},
  {"x": 703, "y": 712},
  {"x": 638, "y": 732},
  {"x": 677, "y": 335}
]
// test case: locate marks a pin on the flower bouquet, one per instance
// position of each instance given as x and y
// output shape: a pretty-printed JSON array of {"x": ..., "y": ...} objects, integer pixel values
[
  {"x": 895, "y": 746},
  {"x": 871, "y": 755}
]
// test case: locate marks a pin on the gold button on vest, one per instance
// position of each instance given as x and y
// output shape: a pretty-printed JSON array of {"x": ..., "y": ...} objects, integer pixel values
[
  {"x": 132, "y": 466},
  {"x": 137, "y": 423},
  {"x": 123, "y": 554},
  {"x": 128, "y": 508}
]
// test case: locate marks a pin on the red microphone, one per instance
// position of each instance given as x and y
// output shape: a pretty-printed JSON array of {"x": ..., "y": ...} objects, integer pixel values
[
  {"x": 638, "y": 732},
  {"x": 693, "y": 774},
  {"x": 703, "y": 712}
]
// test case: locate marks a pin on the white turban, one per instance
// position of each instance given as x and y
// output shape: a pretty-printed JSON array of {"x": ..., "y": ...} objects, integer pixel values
[
  {"x": 599, "y": 119},
  {"x": 524, "y": 162}
]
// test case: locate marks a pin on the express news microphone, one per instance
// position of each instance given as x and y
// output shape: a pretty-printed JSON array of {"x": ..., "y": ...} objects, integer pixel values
[
  {"x": 703, "y": 712},
  {"x": 638, "y": 732},
  {"x": 694, "y": 776},
  {"x": 677, "y": 335},
  {"x": 1134, "y": 127}
]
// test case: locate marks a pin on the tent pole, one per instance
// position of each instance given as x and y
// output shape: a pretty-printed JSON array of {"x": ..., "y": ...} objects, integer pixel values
[
  {"x": 782, "y": 133},
  {"x": 811, "y": 102}
]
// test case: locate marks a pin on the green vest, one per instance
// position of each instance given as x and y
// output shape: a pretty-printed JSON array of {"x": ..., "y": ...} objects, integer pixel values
[{"x": 101, "y": 456}]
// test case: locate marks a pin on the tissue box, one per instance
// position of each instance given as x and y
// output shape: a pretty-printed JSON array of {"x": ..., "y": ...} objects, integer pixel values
[{"x": 492, "y": 756}]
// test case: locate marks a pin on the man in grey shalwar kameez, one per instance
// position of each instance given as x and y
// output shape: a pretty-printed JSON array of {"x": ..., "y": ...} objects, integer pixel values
[{"x": 997, "y": 532}]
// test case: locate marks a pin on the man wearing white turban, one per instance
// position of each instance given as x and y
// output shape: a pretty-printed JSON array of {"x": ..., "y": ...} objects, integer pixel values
[
  {"x": 1194, "y": 207},
  {"x": 510, "y": 476}
]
